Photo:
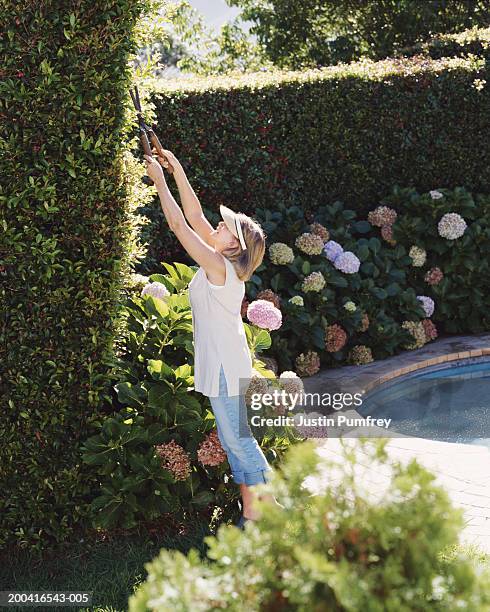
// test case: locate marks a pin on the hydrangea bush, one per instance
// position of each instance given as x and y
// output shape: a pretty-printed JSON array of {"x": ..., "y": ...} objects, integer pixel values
[
  {"x": 453, "y": 227},
  {"x": 160, "y": 452},
  {"x": 416, "y": 267}
]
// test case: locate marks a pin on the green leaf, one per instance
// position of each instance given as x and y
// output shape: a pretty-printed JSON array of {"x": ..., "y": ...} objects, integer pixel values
[
  {"x": 393, "y": 289},
  {"x": 363, "y": 252},
  {"x": 380, "y": 293},
  {"x": 367, "y": 268},
  {"x": 262, "y": 341},
  {"x": 362, "y": 227},
  {"x": 374, "y": 245},
  {"x": 156, "y": 307},
  {"x": 338, "y": 281},
  {"x": 202, "y": 498},
  {"x": 130, "y": 395}
]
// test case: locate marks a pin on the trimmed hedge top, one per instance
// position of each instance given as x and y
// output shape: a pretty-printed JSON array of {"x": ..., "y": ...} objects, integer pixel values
[
  {"x": 364, "y": 69},
  {"x": 475, "y": 40}
]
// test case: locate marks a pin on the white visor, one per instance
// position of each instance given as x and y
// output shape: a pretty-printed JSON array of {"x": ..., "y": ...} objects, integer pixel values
[{"x": 232, "y": 222}]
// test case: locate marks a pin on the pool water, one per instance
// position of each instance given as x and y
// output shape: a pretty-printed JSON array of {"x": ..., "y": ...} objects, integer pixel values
[{"x": 447, "y": 403}]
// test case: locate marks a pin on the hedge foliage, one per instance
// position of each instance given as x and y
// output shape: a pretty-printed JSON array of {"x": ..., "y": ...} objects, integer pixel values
[
  {"x": 345, "y": 132},
  {"x": 66, "y": 240},
  {"x": 474, "y": 40}
]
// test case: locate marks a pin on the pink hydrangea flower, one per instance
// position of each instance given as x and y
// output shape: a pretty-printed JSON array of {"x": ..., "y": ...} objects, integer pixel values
[
  {"x": 430, "y": 329},
  {"x": 210, "y": 451},
  {"x": 335, "y": 338},
  {"x": 174, "y": 459},
  {"x": 382, "y": 215},
  {"x": 434, "y": 276},
  {"x": 264, "y": 314}
]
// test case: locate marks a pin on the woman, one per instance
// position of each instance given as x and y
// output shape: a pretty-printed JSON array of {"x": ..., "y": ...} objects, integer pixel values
[{"x": 228, "y": 256}]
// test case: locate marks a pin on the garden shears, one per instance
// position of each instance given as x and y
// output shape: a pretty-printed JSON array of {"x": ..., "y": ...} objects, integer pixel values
[{"x": 147, "y": 135}]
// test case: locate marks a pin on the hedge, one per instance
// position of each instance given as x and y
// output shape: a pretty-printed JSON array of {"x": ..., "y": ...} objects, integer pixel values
[
  {"x": 66, "y": 239},
  {"x": 345, "y": 132},
  {"x": 474, "y": 40}
]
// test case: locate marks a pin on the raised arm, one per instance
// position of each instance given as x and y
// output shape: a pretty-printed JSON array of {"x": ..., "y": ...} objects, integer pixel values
[
  {"x": 190, "y": 202},
  {"x": 201, "y": 252}
]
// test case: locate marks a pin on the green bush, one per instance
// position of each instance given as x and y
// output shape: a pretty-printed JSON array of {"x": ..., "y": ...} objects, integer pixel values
[
  {"x": 304, "y": 138},
  {"x": 335, "y": 546},
  {"x": 383, "y": 293},
  {"x": 158, "y": 406},
  {"x": 66, "y": 241},
  {"x": 463, "y": 296},
  {"x": 378, "y": 290}
]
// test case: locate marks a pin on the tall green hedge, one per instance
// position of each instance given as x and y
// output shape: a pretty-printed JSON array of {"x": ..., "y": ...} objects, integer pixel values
[
  {"x": 65, "y": 240},
  {"x": 347, "y": 132}
]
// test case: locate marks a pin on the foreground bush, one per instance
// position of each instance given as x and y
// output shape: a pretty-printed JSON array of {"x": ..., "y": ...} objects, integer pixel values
[
  {"x": 159, "y": 452},
  {"x": 343, "y": 548}
]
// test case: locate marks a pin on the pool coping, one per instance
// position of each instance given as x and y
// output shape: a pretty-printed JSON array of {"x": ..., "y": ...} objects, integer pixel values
[
  {"x": 460, "y": 468},
  {"x": 367, "y": 377}
]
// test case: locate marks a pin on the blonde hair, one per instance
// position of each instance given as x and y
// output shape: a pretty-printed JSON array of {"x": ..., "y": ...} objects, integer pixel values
[{"x": 247, "y": 261}]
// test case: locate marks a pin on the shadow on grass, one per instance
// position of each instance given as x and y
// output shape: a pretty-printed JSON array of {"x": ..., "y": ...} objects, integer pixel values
[{"x": 110, "y": 564}]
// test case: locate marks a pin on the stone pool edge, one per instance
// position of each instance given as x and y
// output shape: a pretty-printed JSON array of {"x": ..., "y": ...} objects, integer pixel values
[{"x": 367, "y": 377}]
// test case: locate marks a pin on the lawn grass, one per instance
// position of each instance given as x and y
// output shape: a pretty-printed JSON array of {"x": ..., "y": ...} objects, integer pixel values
[{"x": 110, "y": 564}]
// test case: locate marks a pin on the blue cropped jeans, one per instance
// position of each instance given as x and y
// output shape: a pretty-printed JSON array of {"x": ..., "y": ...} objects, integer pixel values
[{"x": 247, "y": 460}]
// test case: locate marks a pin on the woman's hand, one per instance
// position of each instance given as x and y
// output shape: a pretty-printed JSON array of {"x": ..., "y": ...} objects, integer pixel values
[
  {"x": 154, "y": 170},
  {"x": 169, "y": 162}
]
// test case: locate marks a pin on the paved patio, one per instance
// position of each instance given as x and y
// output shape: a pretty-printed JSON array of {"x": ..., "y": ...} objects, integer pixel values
[{"x": 463, "y": 469}]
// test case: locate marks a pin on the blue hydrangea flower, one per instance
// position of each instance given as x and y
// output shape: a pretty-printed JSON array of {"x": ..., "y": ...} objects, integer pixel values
[
  {"x": 332, "y": 250},
  {"x": 347, "y": 263},
  {"x": 427, "y": 304}
]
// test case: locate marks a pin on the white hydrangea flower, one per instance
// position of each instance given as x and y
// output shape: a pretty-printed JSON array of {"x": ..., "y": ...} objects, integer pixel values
[
  {"x": 156, "y": 290},
  {"x": 451, "y": 226},
  {"x": 436, "y": 195},
  {"x": 288, "y": 374},
  {"x": 291, "y": 382},
  {"x": 297, "y": 300},
  {"x": 281, "y": 254},
  {"x": 350, "y": 307},
  {"x": 140, "y": 279},
  {"x": 418, "y": 256}
]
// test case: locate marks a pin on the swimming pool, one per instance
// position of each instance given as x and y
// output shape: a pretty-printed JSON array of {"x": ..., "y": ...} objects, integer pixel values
[{"x": 450, "y": 403}]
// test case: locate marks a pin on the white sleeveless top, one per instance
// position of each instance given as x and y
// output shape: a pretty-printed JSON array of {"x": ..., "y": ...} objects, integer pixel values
[{"x": 219, "y": 334}]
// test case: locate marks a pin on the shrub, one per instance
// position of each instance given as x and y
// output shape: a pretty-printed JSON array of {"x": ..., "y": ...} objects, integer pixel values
[
  {"x": 67, "y": 239},
  {"x": 398, "y": 283},
  {"x": 460, "y": 253},
  {"x": 337, "y": 545},
  {"x": 157, "y": 453},
  {"x": 371, "y": 270}
]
